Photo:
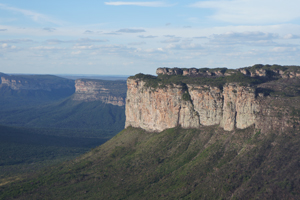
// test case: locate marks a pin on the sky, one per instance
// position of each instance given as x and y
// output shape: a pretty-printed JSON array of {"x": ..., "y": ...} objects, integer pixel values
[{"x": 129, "y": 37}]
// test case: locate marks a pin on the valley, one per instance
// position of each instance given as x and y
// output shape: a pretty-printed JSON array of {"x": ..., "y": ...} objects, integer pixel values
[{"x": 42, "y": 123}]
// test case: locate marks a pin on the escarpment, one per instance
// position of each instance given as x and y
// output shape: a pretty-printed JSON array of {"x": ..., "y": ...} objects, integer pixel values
[
  {"x": 109, "y": 92},
  {"x": 162, "y": 108},
  {"x": 36, "y": 82},
  {"x": 191, "y": 100}
]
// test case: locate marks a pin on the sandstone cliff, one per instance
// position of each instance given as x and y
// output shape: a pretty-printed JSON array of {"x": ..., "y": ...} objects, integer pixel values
[
  {"x": 109, "y": 92},
  {"x": 162, "y": 108},
  {"x": 156, "y": 104}
]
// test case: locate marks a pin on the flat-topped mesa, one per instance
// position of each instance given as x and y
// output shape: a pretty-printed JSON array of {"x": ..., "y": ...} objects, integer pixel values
[
  {"x": 232, "y": 100},
  {"x": 109, "y": 92}
]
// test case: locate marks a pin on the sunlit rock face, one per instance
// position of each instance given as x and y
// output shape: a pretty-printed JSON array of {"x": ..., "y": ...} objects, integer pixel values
[
  {"x": 105, "y": 91},
  {"x": 156, "y": 109}
]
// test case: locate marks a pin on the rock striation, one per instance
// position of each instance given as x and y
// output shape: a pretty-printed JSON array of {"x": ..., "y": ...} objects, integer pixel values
[
  {"x": 109, "y": 92},
  {"x": 162, "y": 108}
]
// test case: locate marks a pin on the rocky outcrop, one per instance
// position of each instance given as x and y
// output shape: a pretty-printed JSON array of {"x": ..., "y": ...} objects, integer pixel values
[
  {"x": 109, "y": 92},
  {"x": 193, "y": 72},
  {"x": 274, "y": 71},
  {"x": 156, "y": 109}
]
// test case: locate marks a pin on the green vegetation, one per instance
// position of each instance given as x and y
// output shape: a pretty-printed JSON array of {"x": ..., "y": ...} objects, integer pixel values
[
  {"x": 207, "y": 163},
  {"x": 186, "y": 96},
  {"x": 25, "y": 150},
  {"x": 162, "y": 81},
  {"x": 68, "y": 114},
  {"x": 42, "y": 127}
]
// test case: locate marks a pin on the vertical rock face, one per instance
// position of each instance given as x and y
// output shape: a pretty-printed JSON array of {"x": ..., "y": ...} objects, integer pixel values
[
  {"x": 153, "y": 109},
  {"x": 239, "y": 107},
  {"x": 109, "y": 92},
  {"x": 156, "y": 109},
  {"x": 208, "y": 103}
]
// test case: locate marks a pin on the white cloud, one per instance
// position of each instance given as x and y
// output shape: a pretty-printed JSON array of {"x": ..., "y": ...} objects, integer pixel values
[
  {"x": 37, "y": 17},
  {"x": 137, "y": 43},
  {"x": 171, "y": 40},
  {"x": 76, "y": 52},
  {"x": 46, "y": 48},
  {"x": 147, "y": 37},
  {"x": 146, "y": 4},
  {"x": 7, "y": 46},
  {"x": 128, "y": 30},
  {"x": 252, "y": 11},
  {"x": 284, "y": 49},
  {"x": 291, "y": 36},
  {"x": 246, "y": 36},
  {"x": 185, "y": 46},
  {"x": 49, "y": 29},
  {"x": 16, "y": 41},
  {"x": 84, "y": 47},
  {"x": 249, "y": 38},
  {"x": 81, "y": 40}
]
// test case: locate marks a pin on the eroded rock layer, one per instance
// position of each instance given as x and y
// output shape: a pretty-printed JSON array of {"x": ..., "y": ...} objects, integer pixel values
[
  {"x": 156, "y": 109},
  {"x": 109, "y": 92}
]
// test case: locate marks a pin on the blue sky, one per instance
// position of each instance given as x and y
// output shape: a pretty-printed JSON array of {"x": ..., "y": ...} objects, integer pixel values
[{"x": 129, "y": 37}]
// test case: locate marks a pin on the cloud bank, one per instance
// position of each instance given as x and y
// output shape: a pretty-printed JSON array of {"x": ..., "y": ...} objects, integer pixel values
[
  {"x": 145, "y": 4},
  {"x": 252, "y": 11}
]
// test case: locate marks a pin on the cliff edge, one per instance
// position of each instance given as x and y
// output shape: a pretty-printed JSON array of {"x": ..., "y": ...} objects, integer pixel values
[
  {"x": 109, "y": 92},
  {"x": 228, "y": 98}
]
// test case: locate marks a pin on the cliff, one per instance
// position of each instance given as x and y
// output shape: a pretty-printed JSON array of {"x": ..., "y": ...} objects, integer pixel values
[
  {"x": 233, "y": 101},
  {"x": 109, "y": 92}
]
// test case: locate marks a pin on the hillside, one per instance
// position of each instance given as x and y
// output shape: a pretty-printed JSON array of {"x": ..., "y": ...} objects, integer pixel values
[{"x": 205, "y": 163}]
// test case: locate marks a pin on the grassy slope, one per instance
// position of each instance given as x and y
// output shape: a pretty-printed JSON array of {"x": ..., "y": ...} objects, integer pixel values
[{"x": 175, "y": 164}]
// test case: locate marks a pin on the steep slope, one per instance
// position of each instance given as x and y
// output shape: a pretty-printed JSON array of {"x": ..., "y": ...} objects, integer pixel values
[{"x": 205, "y": 163}]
